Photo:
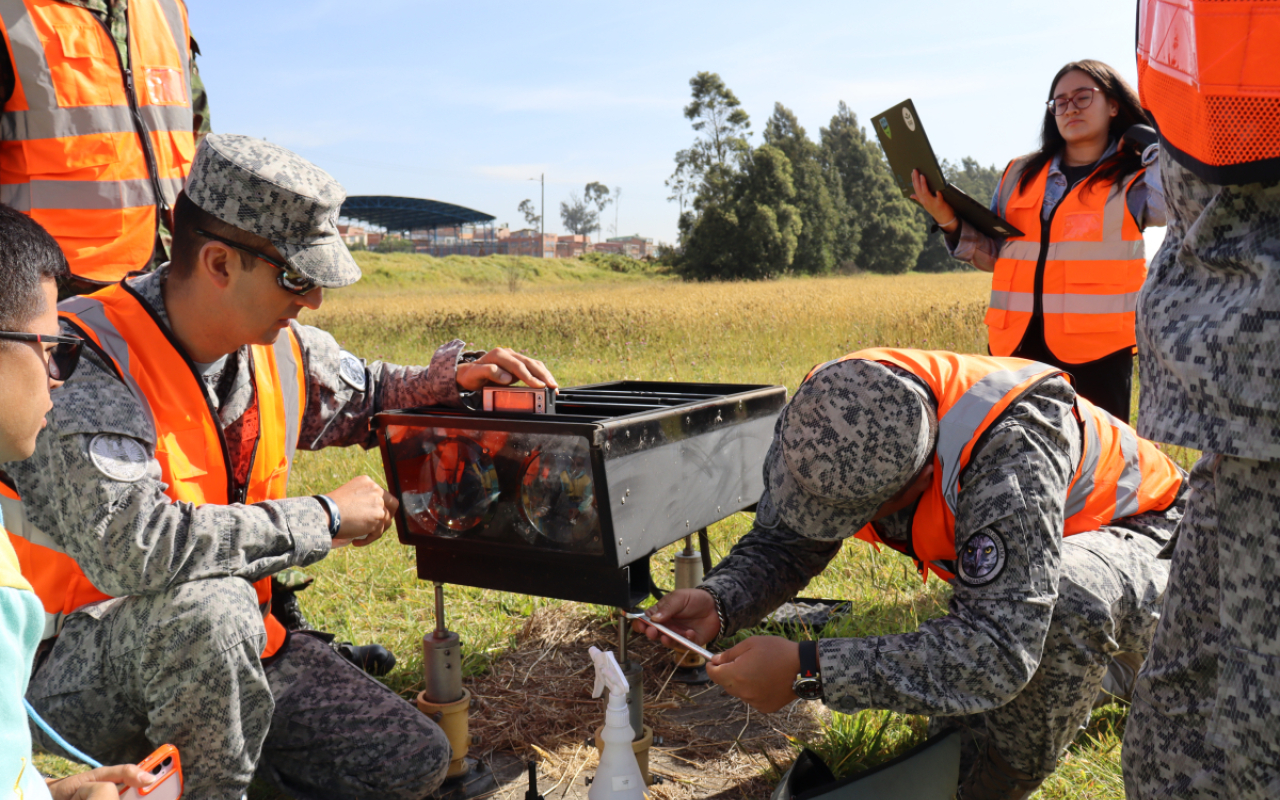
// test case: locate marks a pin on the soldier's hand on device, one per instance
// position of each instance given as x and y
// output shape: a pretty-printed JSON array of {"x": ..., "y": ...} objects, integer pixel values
[
  {"x": 759, "y": 671},
  {"x": 367, "y": 511},
  {"x": 689, "y": 612},
  {"x": 503, "y": 366},
  {"x": 100, "y": 783}
]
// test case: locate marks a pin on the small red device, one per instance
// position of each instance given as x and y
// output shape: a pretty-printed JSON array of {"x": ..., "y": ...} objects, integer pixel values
[{"x": 165, "y": 764}]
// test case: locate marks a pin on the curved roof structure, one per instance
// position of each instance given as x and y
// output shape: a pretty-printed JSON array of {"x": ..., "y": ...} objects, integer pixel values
[{"x": 408, "y": 213}]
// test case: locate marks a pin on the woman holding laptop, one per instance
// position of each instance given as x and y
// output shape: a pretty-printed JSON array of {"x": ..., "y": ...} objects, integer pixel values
[{"x": 1064, "y": 293}]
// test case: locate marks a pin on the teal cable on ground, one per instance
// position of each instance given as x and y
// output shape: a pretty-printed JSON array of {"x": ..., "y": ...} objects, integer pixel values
[{"x": 58, "y": 740}]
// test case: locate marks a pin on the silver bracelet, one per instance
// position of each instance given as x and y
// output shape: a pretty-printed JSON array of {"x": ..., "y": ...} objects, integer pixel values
[
  {"x": 943, "y": 225},
  {"x": 715, "y": 600}
]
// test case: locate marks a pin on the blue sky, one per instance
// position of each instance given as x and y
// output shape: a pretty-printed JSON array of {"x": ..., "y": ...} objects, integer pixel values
[{"x": 464, "y": 103}]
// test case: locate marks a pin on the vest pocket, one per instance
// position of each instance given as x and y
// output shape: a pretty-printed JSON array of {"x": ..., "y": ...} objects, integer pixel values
[
  {"x": 75, "y": 83},
  {"x": 1247, "y": 704}
]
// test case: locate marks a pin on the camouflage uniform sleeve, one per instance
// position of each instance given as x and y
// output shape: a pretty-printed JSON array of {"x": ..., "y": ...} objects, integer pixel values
[
  {"x": 343, "y": 393},
  {"x": 127, "y": 536},
  {"x": 764, "y": 570},
  {"x": 200, "y": 124},
  {"x": 986, "y": 649}
]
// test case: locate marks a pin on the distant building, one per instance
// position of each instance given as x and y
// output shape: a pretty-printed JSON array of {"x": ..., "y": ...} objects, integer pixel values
[
  {"x": 529, "y": 242},
  {"x": 353, "y": 235},
  {"x": 634, "y": 246},
  {"x": 572, "y": 245}
]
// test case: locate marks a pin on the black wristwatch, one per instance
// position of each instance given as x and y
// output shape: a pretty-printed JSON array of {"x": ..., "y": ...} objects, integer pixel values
[
  {"x": 335, "y": 516},
  {"x": 808, "y": 684}
]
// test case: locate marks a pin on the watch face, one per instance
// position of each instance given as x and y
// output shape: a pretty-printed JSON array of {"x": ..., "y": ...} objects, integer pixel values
[{"x": 807, "y": 688}]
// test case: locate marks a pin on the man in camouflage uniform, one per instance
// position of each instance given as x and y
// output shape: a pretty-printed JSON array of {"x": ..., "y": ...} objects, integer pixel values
[
  {"x": 1205, "y": 721},
  {"x": 173, "y": 657},
  {"x": 1018, "y": 661}
]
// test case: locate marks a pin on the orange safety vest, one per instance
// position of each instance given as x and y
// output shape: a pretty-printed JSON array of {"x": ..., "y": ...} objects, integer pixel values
[
  {"x": 1209, "y": 75},
  {"x": 189, "y": 442},
  {"x": 88, "y": 149},
  {"x": 1119, "y": 474},
  {"x": 1093, "y": 267}
]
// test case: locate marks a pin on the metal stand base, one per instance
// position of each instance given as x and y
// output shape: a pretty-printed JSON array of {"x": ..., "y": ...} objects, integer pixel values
[
  {"x": 477, "y": 780},
  {"x": 693, "y": 676}
]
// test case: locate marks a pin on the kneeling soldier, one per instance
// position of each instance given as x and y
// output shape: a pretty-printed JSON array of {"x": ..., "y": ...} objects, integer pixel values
[
  {"x": 976, "y": 468},
  {"x": 155, "y": 508}
]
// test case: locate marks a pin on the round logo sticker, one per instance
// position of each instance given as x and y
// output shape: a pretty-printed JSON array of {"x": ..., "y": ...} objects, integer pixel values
[
  {"x": 907, "y": 118},
  {"x": 351, "y": 370},
  {"x": 120, "y": 458},
  {"x": 981, "y": 560}
]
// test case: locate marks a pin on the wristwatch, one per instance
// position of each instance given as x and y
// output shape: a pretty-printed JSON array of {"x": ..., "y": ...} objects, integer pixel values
[
  {"x": 335, "y": 516},
  {"x": 808, "y": 684}
]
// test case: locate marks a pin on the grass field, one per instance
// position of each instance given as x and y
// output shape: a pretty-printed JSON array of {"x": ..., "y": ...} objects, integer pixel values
[{"x": 591, "y": 324}]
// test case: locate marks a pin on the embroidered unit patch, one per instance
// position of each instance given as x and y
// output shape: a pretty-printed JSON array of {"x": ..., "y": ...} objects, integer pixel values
[{"x": 981, "y": 560}]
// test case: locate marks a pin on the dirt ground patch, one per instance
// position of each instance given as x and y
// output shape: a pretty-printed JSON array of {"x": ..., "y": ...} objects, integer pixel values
[{"x": 535, "y": 705}]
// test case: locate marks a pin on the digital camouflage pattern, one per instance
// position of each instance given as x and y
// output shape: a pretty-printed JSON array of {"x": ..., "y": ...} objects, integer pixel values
[
  {"x": 1205, "y": 721},
  {"x": 177, "y": 572},
  {"x": 1045, "y": 627},
  {"x": 277, "y": 194},
  {"x": 854, "y": 434},
  {"x": 1209, "y": 320},
  {"x": 323, "y": 705}
]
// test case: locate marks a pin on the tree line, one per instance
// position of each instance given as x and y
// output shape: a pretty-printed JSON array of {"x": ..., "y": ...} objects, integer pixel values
[{"x": 795, "y": 205}]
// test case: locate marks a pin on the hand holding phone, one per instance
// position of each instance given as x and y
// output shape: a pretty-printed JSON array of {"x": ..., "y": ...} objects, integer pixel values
[{"x": 166, "y": 766}]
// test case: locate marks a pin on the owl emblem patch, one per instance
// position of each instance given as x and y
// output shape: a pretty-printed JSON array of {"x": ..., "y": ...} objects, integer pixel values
[{"x": 981, "y": 560}]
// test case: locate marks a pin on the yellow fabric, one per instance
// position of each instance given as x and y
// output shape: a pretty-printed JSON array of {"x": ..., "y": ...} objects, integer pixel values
[{"x": 10, "y": 572}]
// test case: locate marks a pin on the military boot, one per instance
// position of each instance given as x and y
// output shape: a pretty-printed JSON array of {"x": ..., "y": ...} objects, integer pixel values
[
  {"x": 993, "y": 778},
  {"x": 1121, "y": 678},
  {"x": 284, "y": 599}
]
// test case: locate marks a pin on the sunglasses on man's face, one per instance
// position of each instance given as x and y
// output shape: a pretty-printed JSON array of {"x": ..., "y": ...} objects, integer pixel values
[
  {"x": 289, "y": 279},
  {"x": 62, "y": 359}
]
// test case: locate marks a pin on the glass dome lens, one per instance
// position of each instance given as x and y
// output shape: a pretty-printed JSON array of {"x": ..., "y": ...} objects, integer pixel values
[
  {"x": 557, "y": 497},
  {"x": 462, "y": 481}
]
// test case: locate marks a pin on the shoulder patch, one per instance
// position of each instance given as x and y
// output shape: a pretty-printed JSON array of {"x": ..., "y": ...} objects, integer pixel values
[
  {"x": 351, "y": 370},
  {"x": 982, "y": 559},
  {"x": 120, "y": 458}
]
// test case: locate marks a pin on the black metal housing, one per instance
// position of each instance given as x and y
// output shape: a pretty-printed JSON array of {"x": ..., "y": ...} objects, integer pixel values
[{"x": 665, "y": 459}]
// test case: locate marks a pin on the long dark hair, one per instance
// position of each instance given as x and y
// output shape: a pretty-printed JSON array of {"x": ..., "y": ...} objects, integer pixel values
[{"x": 1127, "y": 159}]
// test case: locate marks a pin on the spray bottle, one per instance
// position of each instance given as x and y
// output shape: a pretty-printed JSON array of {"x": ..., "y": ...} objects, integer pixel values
[{"x": 618, "y": 776}]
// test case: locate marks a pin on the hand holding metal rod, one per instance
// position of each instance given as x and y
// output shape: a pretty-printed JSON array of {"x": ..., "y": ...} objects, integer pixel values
[{"x": 699, "y": 649}]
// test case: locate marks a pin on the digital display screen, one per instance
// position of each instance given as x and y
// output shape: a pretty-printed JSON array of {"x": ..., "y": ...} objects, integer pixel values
[{"x": 513, "y": 401}]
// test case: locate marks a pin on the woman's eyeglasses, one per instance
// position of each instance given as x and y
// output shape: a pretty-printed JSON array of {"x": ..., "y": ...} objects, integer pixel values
[
  {"x": 289, "y": 279},
  {"x": 1080, "y": 98},
  {"x": 62, "y": 359}
]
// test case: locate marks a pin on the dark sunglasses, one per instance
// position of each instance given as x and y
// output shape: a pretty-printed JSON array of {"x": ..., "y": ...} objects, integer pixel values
[
  {"x": 289, "y": 279},
  {"x": 1080, "y": 98},
  {"x": 62, "y": 359}
]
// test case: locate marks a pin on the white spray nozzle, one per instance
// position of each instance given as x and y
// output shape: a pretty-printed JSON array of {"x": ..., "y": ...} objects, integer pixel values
[{"x": 608, "y": 673}]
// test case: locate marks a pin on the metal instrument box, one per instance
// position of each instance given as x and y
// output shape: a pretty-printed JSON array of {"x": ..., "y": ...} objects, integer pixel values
[{"x": 571, "y": 505}]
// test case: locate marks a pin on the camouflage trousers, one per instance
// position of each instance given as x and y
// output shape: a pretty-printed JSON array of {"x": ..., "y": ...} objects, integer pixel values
[
  {"x": 1108, "y": 604},
  {"x": 182, "y": 668},
  {"x": 1205, "y": 721}
]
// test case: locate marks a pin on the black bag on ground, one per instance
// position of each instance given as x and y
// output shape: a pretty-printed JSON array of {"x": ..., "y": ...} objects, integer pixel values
[{"x": 928, "y": 771}]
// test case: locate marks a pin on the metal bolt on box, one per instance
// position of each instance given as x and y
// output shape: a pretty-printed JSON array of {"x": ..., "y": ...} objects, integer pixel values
[{"x": 571, "y": 504}]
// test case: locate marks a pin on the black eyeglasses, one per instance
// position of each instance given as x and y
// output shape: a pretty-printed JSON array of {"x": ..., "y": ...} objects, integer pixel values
[
  {"x": 289, "y": 278},
  {"x": 62, "y": 359},
  {"x": 1080, "y": 98}
]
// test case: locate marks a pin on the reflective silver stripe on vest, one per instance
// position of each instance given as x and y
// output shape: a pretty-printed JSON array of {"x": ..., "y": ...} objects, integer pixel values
[
  {"x": 91, "y": 313},
  {"x": 1083, "y": 487},
  {"x": 27, "y": 51},
  {"x": 959, "y": 425},
  {"x": 287, "y": 368},
  {"x": 83, "y": 195},
  {"x": 1023, "y": 250},
  {"x": 63, "y": 123},
  {"x": 1131, "y": 476},
  {"x": 1066, "y": 303},
  {"x": 16, "y": 522}
]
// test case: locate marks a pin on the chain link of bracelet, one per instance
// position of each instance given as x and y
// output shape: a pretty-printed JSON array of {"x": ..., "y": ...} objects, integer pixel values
[{"x": 715, "y": 599}]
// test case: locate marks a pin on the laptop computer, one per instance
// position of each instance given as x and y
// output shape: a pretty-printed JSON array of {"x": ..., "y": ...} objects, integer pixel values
[{"x": 907, "y": 147}]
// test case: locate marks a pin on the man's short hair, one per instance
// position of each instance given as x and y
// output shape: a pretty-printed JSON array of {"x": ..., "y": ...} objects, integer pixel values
[
  {"x": 28, "y": 257},
  {"x": 189, "y": 218}
]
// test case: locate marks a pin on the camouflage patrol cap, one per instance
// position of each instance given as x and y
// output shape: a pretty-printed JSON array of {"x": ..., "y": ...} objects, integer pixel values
[
  {"x": 852, "y": 437},
  {"x": 277, "y": 194}
]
